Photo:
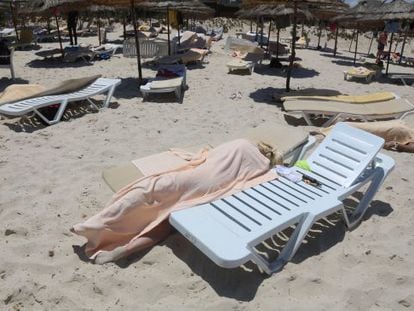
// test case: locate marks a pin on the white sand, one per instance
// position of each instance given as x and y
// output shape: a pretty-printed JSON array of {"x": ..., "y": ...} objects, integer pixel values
[{"x": 51, "y": 179}]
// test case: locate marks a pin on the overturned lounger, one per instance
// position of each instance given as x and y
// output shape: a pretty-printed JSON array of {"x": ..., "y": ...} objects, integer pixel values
[
  {"x": 337, "y": 111},
  {"x": 100, "y": 86},
  {"x": 228, "y": 230}
]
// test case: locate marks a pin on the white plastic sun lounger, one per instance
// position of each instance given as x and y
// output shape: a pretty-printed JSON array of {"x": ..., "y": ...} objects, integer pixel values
[
  {"x": 228, "y": 230},
  {"x": 338, "y": 111},
  {"x": 100, "y": 86}
]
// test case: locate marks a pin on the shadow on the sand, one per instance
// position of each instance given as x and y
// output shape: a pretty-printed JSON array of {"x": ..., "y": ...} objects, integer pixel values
[
  {"x": 128, "y": 89},
  {"x": 4, "y": 82},
  {"x": 243, "y": 283},
  {"x": 265, "y": 95},
  {"x": 347, "y": 63},
  {"x": 57, "y": 63},
  {"x": 297, "y": 73},
  {"x": 32, "y": 123}
]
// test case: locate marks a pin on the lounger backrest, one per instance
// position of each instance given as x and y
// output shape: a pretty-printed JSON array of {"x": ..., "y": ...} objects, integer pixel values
[{"x": 344, "y": 154}]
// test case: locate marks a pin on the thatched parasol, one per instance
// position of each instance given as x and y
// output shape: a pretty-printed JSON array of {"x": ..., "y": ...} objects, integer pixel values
[
  {"x": 296, "y": 5},
  {"x": 351, "y": 18},
  {"x": 396, "y": 10},
  {"x": 183, "y": 6}
]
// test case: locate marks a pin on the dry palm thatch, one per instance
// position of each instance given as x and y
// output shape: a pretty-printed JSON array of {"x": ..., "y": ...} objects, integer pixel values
[
  {"x": 296, "y": 5},
  {"x": 44, "y": 6},
  {"x": 394, "y": 10}
]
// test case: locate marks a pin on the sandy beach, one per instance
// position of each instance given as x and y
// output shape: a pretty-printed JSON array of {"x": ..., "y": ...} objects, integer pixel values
[{"x": 51, "y": 180}]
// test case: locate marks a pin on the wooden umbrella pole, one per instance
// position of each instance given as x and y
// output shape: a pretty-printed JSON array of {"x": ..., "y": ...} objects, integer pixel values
[
  {"x": 319, "y": 34},
  {"x": 293, "y": 55},
  {"x": 389, "y": 53},
  {"x": 268, "y": 38},
  {"x": 277, "y": 46},
  {"x": 352, "y": 39},
  {"x": 178, "y": 26},
  {"x": 59, "y": 37},
  {"x": 48, "y": 25},
  {"x": 370, "y": 43},
  {"x": 168, "y": 31},
  {"x": 99, "y": 30},
  {"x": 356, "y": 46},
  {"x": 403, "y": 46},
  {"x": 336, "y": 40},
  {"x": 251, "y": 25},
  {"x": 261, "y": 32},
  {"x": 124, "y": 26},
  {"x": 134, "y": 21},
  {"x": 14, "y": 21}
]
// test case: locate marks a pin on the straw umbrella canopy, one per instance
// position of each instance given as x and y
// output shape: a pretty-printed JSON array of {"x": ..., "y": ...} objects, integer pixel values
[
  {"x": 278, "y": 12},
  {"x": 38, "y": 7},
  {"x": 12, "y": 6},
  {"x": 352, "y": 18},
  {"x": 183, "y": 6},
  {"x": 396, "y": 11},
  {"x": 296, "y": 5}
]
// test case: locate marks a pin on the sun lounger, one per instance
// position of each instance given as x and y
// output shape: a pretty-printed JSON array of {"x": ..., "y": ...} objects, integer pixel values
[
  {"x": 337, "y": 111},
  {"x": 351, "y": 99},
  {"x": 292, "y": 147},
  {"x": 166, "y": 85},
  {"x": 360, "y": 73},
  {"x": 248, "y": 62},
  {"x": 403, "y": 77},
  {"x": 99, "y": 86},
  {"x": 229, "y": 230}
]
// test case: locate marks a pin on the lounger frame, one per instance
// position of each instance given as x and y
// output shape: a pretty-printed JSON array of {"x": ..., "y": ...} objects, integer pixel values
[
  {"x": 100, "y": 86},
  {"x": 228, "y": 230}
]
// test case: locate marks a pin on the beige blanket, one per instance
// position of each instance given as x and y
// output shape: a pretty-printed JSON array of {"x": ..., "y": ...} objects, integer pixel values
[
  {"x": 145, "y": 203},
  {"x": 394, "y": 132},
  {"x": 17, "y": 92}
]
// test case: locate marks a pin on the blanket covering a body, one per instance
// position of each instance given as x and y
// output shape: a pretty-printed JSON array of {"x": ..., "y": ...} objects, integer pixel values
[{"x": 140, "y": 206}]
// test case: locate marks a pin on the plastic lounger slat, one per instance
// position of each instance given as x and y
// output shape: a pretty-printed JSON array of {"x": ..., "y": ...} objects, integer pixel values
[
  {"x": 318, "y": 191},
  {"x": 278, "y": 200},
  {"x": 310, "y": 195},
  {"x": 326, "y": 183},
  {"x": 252, "y": 212},
  {"x": 263, "y": 203},
  {"x": 290, "y": 194},
  {"x": 230, "y": 217},
  {"x": 330, "y": 169},
  {"x": 238, "y": 213}
]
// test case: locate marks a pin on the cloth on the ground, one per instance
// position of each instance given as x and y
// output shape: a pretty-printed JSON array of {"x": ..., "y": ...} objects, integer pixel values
[
  {"x": 17, "y": 92},
  {"x": 394, "y": 131},
  {"x": 145, "y": 203}
]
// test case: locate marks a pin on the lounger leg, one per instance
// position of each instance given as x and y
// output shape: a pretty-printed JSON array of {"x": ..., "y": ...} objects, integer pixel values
[
  {"x": 290, "y": 248},
  {"x": 58, "y": 115},
  {"x": 12, "y": 71},
  {"x": 178, "y": 93},
  {"x": 109, "y": 96},
  {"x": 307, "y": 118},
  {"x": 356, "y": 216}
]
